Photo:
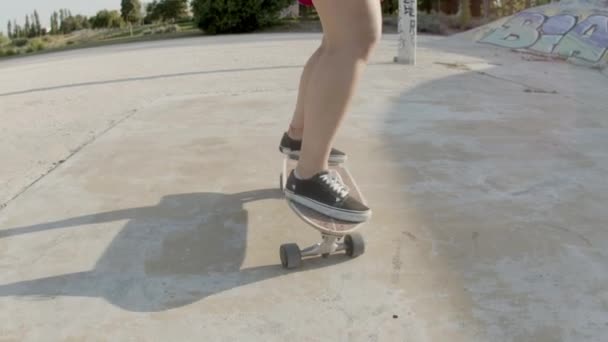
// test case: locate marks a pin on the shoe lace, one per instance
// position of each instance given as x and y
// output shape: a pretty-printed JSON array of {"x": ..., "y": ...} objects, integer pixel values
[{"x": 335, "y": 183}]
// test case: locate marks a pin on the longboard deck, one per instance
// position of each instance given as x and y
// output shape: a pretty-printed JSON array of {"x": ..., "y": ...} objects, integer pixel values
[{"x": 321, "y": 222}]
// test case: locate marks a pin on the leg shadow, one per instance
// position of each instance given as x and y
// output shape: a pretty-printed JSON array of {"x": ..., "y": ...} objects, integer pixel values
[{"x": 182, "y": 250}]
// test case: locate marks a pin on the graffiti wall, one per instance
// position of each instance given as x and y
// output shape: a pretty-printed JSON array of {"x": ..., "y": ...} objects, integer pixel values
[{"x": 580, "y": 36}]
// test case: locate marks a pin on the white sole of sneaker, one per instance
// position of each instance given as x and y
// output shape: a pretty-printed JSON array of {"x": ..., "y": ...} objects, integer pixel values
[{"x": 341, "y": 214}]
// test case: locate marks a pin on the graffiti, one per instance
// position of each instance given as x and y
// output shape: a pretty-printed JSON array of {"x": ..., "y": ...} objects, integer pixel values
[
  {"x": 408, "y": 8},
  {"x": 564, "y": 35},
  {"x": 406, "y": 52}
]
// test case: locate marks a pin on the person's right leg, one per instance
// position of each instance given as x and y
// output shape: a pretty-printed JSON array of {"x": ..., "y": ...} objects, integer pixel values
[{"x": 352, "y": 28}]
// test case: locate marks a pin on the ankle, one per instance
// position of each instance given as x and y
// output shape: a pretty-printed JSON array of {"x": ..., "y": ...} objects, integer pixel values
[
  {"x": 295, "y": 133},
  {"x": 306, "y": 173}
]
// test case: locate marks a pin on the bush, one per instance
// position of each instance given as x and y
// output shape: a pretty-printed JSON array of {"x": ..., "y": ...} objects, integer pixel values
[
  {"x": 460, "y": 22},
  {"x": 36, "y": 45},
  {"x": 20, "y": 42},
  {"x": 3, "y": 40},
  {"x": 430, "y": 23},
  {"x": 236, "y": 16},
  {"x": 465, "y": 14},
  {"x": 390, "y": 7},
  {"x": 106, "y": 19},
  {"x": 10, "y": 52}
]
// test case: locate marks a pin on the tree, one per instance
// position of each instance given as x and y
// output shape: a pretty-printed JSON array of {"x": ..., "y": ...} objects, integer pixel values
[
  {"x": 166, "y": 10},
  {"x": 61, "y": 20},
  {"x": 16, "y": 30},
  {"x": 37, "y": 23},
  {"x": 236, "y": 16},
  {"x": 9, "y": 29},
  {"x": 152, "y": 12},
  {"x": 486, "y": 8},
  {"x": 33, "y": 31},
  {"x": 465, "y": 14},
  {"x": 55, "y": 23},
  {"x": 174, "y": 9},
  {"x": 75, "y": 23},
  {"x": 27, "y": 27},
  {"x": 106, "y": 19},
  {"x": 130, "y": 11}
]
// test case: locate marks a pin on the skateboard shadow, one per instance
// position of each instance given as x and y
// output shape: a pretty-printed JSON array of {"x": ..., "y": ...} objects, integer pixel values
[{"x": 185, "y": 248}]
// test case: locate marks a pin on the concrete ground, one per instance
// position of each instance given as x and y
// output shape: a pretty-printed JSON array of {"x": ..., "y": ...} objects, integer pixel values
[{"x": 140, "y": 198}]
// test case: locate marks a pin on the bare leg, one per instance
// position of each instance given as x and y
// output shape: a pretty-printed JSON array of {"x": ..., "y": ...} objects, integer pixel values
[
  {"x": 296, "y": 126},
  {"x": 351, "y": 28}
]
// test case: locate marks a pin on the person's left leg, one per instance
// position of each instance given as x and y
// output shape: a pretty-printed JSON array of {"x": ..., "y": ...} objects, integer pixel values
[
  {"x": 291, "y": 142},
  {"x": 296, "y": 126}
]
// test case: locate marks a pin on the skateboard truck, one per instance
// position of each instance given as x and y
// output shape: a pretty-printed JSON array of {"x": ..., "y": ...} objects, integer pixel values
[
  {"x": 353, "y": 244},
  {"x": 336, "y": 235}
]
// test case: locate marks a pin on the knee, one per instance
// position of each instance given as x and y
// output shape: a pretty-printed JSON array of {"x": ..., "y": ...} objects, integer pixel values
[
  {"x": 359, "y": 45},
  {"x": 367, "y": 44}
]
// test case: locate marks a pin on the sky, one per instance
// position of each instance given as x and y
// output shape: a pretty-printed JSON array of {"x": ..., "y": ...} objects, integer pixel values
[{"x": 17, "y": 9}]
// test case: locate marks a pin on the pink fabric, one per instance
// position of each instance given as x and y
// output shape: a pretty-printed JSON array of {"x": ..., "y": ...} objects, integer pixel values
[{"x": 306, "y": 2}]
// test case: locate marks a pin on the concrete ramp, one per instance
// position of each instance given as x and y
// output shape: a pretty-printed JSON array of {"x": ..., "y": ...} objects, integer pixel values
[{"x": 575, "y": 30}]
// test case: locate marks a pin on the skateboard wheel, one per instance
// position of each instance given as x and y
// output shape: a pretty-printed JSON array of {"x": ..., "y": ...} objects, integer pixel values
[
  {"x": 354, "y": 244},
  {"x": 290, "y": 255}
]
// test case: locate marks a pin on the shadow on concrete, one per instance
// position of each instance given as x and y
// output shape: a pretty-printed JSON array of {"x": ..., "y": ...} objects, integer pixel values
[
  {"x": 488, "y": 173},
  {"x": 182, "y": 250}
]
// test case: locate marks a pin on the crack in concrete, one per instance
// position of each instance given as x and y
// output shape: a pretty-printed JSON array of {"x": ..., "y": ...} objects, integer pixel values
[
  {"x": 564, "y": 229},
  {"x": 527, "y": 88},
  {"x": 113, "y": 124}
]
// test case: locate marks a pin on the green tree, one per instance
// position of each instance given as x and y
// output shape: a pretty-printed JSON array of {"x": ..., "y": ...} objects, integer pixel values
[
  {"x": 465, "y": 14},
  {"x": 55, "y": 23},
  {"x": 166, "y": 10},
  {"x": 9, "y": 29},
  {"x": 37, "y": 23},
  {"x": 130, "y": 11},
  {"x": 33, "y": 31},
  {"x": 61, "y": 20},
  {"x": 106, "y": 19},
  {"x": 75, "y": 23},
  {"x": 174, "y": 9},
  {"x": 152, "y": 12},
  {"x": 27, "y": 27},
  {"x": 16, "y": 30}
]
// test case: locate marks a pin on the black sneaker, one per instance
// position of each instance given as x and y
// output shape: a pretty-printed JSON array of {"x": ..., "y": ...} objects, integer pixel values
[
  {"x": 292, "y": 147},
  {"x": 325, "y": 193}
]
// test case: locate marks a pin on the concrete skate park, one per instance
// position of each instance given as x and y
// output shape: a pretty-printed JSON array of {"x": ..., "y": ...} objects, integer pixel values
[{"x": 140, "y": 194}]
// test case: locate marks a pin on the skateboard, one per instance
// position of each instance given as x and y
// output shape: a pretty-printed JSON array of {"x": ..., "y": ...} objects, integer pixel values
[{"x": 336, "y": 235}]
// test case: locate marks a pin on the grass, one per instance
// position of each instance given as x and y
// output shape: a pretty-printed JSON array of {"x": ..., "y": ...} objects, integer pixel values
[
  {"x": 93, "y": 38},
  {"x": 433, "y": 23}
]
